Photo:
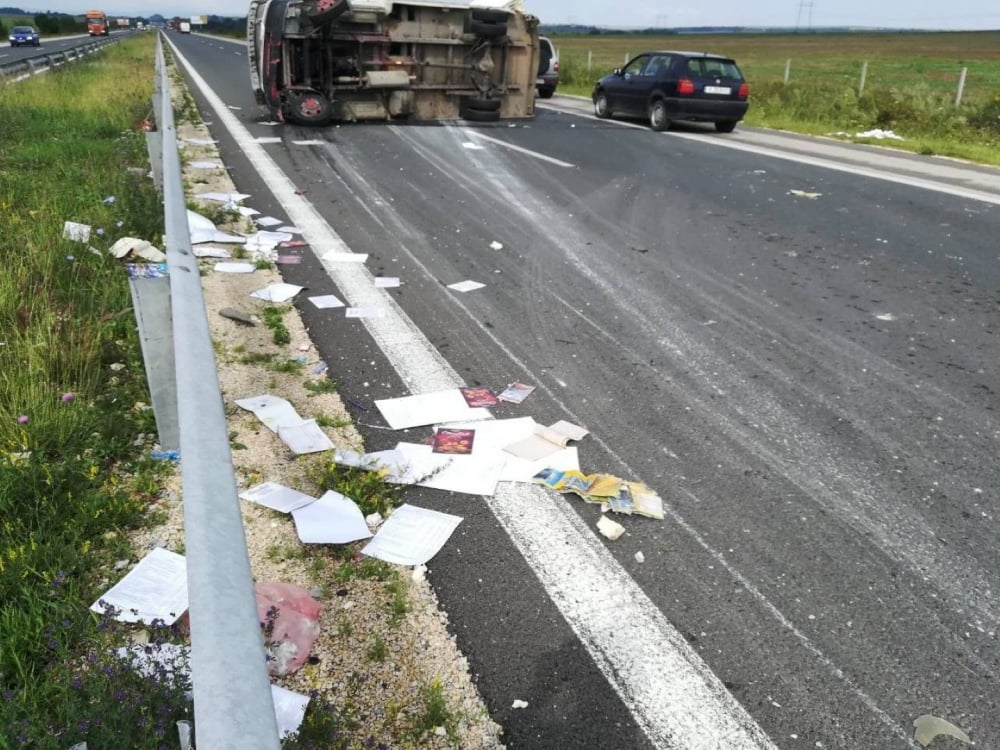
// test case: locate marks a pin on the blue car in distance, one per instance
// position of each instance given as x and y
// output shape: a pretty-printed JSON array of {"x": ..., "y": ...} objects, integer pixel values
[{"x": 24, "y": 35}]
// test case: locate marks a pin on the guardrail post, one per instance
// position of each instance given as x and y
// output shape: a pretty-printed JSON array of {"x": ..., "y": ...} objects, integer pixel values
[{"x": 233, "y": 709}]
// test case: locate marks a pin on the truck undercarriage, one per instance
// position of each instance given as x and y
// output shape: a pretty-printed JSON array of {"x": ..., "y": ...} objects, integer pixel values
[{"x": 317, "y": 60}]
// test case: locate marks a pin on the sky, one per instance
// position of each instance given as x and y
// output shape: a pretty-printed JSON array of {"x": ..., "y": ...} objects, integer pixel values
[{"x": 916, "y": 14}]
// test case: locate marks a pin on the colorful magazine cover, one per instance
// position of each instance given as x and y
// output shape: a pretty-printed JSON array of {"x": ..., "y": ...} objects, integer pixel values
[
  {"x": 516, "y": 392},
  {"x": 453, "y": 441},
  {"x": 479, "y": 396}
]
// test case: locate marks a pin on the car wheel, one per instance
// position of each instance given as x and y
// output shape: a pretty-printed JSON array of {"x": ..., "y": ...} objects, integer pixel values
[
  {"x": 309, "y": 108},
  {"x": 601, "y": 107},
  {"x": 486, "y": 29},
  {"x": 726, "y": 126},
  {"x": 546, "y": 93},
  {"x": 658, "y": 119}
]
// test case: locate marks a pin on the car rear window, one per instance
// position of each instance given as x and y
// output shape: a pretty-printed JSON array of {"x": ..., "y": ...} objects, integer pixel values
[{"x": 709, "y": 67}]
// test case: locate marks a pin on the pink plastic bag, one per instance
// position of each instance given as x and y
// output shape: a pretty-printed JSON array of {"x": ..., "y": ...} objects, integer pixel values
[{"x": 289, "y": 618}]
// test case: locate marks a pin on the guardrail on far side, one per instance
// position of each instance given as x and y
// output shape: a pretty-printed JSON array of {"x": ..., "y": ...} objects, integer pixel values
[{"x": 27, "y": 66}]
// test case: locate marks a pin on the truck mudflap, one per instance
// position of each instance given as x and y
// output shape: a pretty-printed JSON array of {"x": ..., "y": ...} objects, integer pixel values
[{"x": 376, "y": 59}]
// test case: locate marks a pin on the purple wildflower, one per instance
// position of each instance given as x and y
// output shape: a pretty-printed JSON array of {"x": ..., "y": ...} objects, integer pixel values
[
  {"x": 68, "y": 396},
  {"x": 22, "y": 419}
]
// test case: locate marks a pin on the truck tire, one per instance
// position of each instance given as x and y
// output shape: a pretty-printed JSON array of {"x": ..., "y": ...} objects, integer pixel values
[
  {"x": 489, "y": 15},
  {"x": 486, "y": 29},
  {"x": 480, "y": 115},
  {"x": 309, "y": 108},
  {"x": 482, "y": 105}
]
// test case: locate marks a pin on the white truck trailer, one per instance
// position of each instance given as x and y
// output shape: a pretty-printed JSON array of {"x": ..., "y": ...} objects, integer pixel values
[{"x": 316, "y": 60}]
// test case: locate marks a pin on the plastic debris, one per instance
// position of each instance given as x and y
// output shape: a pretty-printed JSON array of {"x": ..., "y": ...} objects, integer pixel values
[
  {"x": 927, "y": 727},
  {"x": 290, "y": 620},
  {"x": 165, "y": 455},
  {"x": 519, "y": 704}
]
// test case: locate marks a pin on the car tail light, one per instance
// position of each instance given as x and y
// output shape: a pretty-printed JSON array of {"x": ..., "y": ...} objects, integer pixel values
[
  {"x": 744, "y": 90},
  {"x": 685, "y": 86}
]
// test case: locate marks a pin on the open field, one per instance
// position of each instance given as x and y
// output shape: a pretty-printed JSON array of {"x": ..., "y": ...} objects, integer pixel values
[{"x": 911, "y": 83}]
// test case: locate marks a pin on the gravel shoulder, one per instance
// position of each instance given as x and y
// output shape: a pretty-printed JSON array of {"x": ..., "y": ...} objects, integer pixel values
[{"x": 373, "y": 664}]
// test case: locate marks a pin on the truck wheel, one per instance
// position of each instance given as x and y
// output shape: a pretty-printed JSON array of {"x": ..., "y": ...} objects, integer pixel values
[
  {"x": 489, "y": 15},
  {"x": 480, "y": 115},
  {"x": 309, "y": 108},
  {"x": 482, "y": 105},
  {"x": 485, "y": 29}
]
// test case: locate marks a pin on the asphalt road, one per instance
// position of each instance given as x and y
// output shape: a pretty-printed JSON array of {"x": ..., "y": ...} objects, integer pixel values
[{"x": 809, "y": 381}]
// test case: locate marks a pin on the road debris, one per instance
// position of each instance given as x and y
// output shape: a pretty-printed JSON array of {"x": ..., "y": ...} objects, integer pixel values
[{"x": 927, "y": 728}]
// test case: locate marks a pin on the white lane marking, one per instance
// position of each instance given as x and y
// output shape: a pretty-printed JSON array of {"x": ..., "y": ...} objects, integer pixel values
[
  {"x": 850, "y": 168},
  {"x": 672, "y": 694},
  {"x": 519, "y": 149}
]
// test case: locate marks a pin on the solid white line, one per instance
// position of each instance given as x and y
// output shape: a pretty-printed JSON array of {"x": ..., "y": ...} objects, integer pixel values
[
  {"x": 673, "y": 695},
  {"x": 519, "y": 149}
]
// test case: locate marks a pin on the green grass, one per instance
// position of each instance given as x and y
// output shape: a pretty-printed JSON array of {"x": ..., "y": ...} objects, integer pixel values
[
  {"x": 72, "y": 482},
  {"x": 911, "y": 82}
]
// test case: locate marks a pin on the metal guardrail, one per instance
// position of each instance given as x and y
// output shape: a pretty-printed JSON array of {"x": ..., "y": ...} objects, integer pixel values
[
  {"x": 44, "y": 61},
  {"x": 233, "y": 708}
]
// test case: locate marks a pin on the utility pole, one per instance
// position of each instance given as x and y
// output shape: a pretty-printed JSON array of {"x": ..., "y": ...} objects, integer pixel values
[{"x": 804, "y": 5}]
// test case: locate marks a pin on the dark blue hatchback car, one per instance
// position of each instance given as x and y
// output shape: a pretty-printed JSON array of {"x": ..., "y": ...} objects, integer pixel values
[
  {"x": 24, "y": 35},
  {"x": 669, "y": 85}
]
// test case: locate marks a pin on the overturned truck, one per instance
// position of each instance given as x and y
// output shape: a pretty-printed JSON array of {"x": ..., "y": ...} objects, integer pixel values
[{"x": 316, "y": 60}]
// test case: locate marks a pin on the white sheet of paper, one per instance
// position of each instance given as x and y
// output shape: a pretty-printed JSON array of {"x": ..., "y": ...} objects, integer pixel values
[
  {"x": 522, "y": 470},
  {"x": 470, "y": 474},
  {"x": 205, "y": 165},
  {"x": 364, "y": 312},
  {"x": 289, "y": 229},
  {"x": 411, "y": 535},
  {"x": 472, "y": 146},
  {"x": 304, "y": 437},
  {"x": 223, "y": 197},
  {"x": 270, "y": 410},
  {"x": 75, "y": 231},
  {"x": 155, "y": 589},
  {"x": 268, "y": 221},
  {"x": 428, "y": 408},
  {"x": 234, "y": 267},
  {"x": 346, "y": 257},
  {"x": 545, "y": 441},
  {"x": 210, "y": 252},
  {"x": 247, "y": 211},
  {"x": 289, "y": 709},
  {"x": 466, "y": 286},
  {"x": 314, "y": 142},
  {"x": 277, "y": 497},
  {"x": 214, "y": 235},
  {"x": 268, "y": 139},
  {"x": 386, "y": 282},
  {"x": 280, "y": 292},
  {"x": 326, "y": 301},
  {"x": 333, "y": 519}
]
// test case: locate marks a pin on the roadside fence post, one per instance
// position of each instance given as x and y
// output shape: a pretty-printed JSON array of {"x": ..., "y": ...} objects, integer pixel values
[
  {"x": 590, "y": 59},
  {"x": 864, "y": 76},
  {"x": 961, "y": 87},
  {"x": 788, "y": 69}
]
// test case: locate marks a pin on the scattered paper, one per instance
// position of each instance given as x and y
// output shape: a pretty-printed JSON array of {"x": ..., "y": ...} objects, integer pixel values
[
  {"x": 223, "y": 197},
  {"x": 928, "y": 727},
  {"x": 268, "y": 221},
  {"x": 203, "y": 230},
  {"x": 479, "y": 396},
  {"x": 234, "y": 267},
  {"x": 364, "y": 312},
  {"x": 428, "y": 408},
  {"x": 346, "y": 257},
  {"x": 386, "y": 282},
  {"x": 472, "y": 146},
  {"x": 289, "y": 229},
  {"x": 270, "y": 410},
  {"x": 609, "y": 528},
  {"x": 155, "y": 589},
  {"x": 466, "y": 286},
  {"x": 411, "y": 535},
  {"x": 453, "y": 441},
  {"x": 515, "y": 393},
  {"x": 496, "y": 245},
  {"x": 137, "y": 249},
  {"x": 333, "y": 519},
  {"x": 606, "y": 489},
  {"x": 277, "y": 497},
  {"x": 304, "y": 437},
  {"x": 313, "y": 142},
  {"x": 326, "y": 301},
  {"x": 280, "y": 292},
  {"x": 268, "y": 139},
  {"x": 804, "y": 194},
  {"x": 205, "y": 165},
  {"x": 76, "y": 232},
  {"x": 210, "y": 252},
  {"x": 246, "y": 211},
  {"x": 546, "y": 440},
  {"x": 470, "y": 474},
  {"x": 289, "y": 710},
  {"x": 879, "y": 134}
]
